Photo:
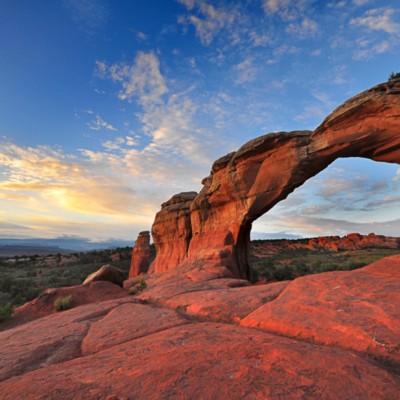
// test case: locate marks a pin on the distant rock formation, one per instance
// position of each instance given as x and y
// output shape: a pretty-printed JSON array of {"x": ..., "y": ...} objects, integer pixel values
[
  {"x": 354, "y": 241},
  {"x": 141, "y": 255},
  {"x": 212, "y": 229},
  {"x": 106, "y": 273}
]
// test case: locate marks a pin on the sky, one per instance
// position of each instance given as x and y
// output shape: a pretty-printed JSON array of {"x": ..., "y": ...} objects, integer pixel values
[{"x": 108, "y": 108}]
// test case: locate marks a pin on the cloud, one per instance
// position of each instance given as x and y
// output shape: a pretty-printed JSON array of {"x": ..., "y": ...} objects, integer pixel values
[
  {"x": 90, "y": 15},
  {"x": 397, "y": 177},
  {"x": 379, "y": 48},
  {"x": 167, "y": 117},
  {"x": 361, "y": 2},
  {"x": 98, "y": 124},
  {"x": 18, "y": 197},
  {"x": 305, "y": 27},
  {"x": 274, "y": 6},
  {"x": 141, "y": 36},
  {"x": 288, "y": 10},
  {"x": 387, "y": 201},
  {"x": 143, "y": 79},
  {"x": 49, "y": 177},
  {"x": 209, "y": 19},
  {"x": 307, "y": 226},
  {"x": 378, "y": 19},
  {"x": 246, "y": 71}
]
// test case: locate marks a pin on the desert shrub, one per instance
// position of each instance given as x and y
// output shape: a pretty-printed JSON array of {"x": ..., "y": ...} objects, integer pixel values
[
  {"x": 5, "y": 311},
  {"x": 394, "y": 75},
  {"x": 6, "y": 284},
  {"x": 63, "y": 303},
  {"x": 139, "y": 287}
]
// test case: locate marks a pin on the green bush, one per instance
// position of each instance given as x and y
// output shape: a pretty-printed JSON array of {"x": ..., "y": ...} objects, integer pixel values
[
  {"x": 63, "y": 303},
  {"x": 394, "y": 76},
  {"x": 139, "y": 287},
  {"x": 5, "y": 311}
]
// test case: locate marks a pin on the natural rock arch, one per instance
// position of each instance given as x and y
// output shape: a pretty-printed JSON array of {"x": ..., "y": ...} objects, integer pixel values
[{"x": 212, "y": 229}]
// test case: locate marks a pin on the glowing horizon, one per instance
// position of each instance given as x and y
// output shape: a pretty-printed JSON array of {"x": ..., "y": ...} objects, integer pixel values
[{"x": 108, "y": 113}]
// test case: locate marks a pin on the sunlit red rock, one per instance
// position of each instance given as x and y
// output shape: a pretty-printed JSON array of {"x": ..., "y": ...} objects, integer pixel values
[
  {"x": 141, "y": 255},
  {"x": 244, "y": 185},
  {"x": 358, "y": 310},
  {"x": 106, "y": 273},
  {"x": 171, "y": 232},
  {"x": 208, "y": 361},
  {"x": 44, "y": 304}
]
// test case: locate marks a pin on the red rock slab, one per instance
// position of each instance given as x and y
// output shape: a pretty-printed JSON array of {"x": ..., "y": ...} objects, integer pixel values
[
  {"x": 357, "y": 310},
  {"x": 209, "y": 361},
  {"x": 229, "y": 305},
  {"x": 48, "y": 340},
  {"x": 158, "y": 291},
  {"x": 44, "y": 304},
  {"x": 127, "y": 322}
]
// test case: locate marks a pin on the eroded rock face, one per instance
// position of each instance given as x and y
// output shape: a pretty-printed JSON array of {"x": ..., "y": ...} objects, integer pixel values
[
  {"x": 244, "y": 185},
  {"x": 106, "y": 273},
  {"x": 172, "y": 232},
  {"x": 141, "y": 255}
]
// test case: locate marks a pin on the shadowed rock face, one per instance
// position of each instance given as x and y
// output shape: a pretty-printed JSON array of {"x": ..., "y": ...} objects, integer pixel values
[
  {"x": 141, "y": 255},
  {"x": 172, "y": 232},
  {"x": 246, "y": 184}
]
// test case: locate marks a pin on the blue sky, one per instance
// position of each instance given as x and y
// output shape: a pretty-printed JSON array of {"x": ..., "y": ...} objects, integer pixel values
[{"x": 109, "y": 108}]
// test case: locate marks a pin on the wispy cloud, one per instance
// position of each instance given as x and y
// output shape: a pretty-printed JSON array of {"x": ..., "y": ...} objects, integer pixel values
[
  {"x": 371, "y": 51},
  {"x": 245, "y": 71},
  {"x": 378, "y": 19},
  {"x": 207, "y": 19},
  {"x": 99, "y": 124},
  {"x": 90, "y": 15},
  {"x": 142, "y": 79},
  {"x": 304, "y": 28},
  {"x": 167, "y": 117}
]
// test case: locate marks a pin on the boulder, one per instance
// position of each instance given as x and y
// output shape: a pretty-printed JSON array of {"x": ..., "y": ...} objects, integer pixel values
[{"x": 106, "y": 273}]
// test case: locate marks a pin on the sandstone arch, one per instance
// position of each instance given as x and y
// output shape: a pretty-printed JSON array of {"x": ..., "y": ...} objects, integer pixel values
[{"x": 212, "y": 229}]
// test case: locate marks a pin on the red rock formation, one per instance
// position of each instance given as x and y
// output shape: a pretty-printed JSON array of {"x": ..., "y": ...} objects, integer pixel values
[
  {"x": 358, "y": 310},
  {"x": 343, "y": 328},
  {"x": 171, "y": 232},
  {"x": 44, "y": 304},
  {"x": 106, "y": 273},
  {"x": 141, "y": 255},
  {"x": 246, "y": 184},
  {"x": 353, "y": 241}
]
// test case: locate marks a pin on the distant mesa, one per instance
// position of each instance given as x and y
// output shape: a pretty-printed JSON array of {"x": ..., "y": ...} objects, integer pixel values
[{"x": 212, "y": 229}]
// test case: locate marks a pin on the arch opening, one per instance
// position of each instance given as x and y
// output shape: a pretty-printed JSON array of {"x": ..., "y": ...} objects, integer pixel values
[{"x": 352, "y": 195}]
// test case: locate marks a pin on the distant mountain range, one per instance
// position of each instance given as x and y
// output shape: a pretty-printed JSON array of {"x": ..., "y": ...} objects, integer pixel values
[{"x": 64, "y": 244}]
